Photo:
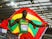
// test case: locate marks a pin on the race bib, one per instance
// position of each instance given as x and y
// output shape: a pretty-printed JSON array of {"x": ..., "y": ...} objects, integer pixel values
[{"x": 24, "y": 27}]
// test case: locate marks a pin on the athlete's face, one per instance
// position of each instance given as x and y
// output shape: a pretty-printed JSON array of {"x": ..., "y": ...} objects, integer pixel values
[{"x": 24, "y": 13}]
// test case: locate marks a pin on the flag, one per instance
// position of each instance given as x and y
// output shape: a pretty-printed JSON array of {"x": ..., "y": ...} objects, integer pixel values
[{"x": 34, "y": 17}]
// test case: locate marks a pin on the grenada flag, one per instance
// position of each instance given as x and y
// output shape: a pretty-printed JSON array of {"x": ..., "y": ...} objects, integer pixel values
[{"x": 33, "y": 33}]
